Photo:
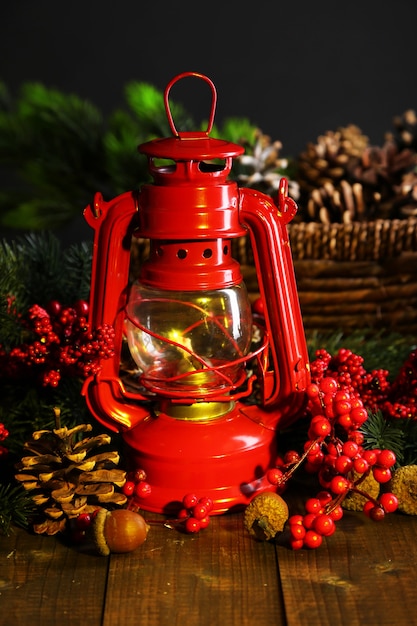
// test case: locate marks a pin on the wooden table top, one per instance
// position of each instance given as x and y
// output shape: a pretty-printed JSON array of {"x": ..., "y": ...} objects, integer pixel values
[{"x": 364, "y": 574}]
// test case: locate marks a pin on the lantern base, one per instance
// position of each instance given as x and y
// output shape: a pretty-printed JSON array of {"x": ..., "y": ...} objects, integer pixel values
[{"x": 225, "y": 459}]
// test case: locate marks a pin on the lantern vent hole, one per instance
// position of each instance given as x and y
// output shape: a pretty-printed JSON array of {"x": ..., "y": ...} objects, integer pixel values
[
  {"x": 212, "y": 166},
  {"x": 182, "y": 254}
]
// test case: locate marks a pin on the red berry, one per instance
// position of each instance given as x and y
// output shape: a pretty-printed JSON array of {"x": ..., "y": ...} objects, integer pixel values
[
  {"x": 199, "y": 511},
  {"x": 258, "y": 306},
  {"x": 324, "y": 525},
  {"x": 367, "y": 507},
  {"x": 192, "y": 525},
  {"x": 313, "y": 391},
  {"x": 339, "y": 484},
  {"x": 139, "y": 475},
  {"x": 370, "y": 456},
  {"x": 359, "y": 416},
  {"x": 328, "y": 385},
  {"x": 83, "y": 521},
  {"x": 128, "y": 488},
  {"x": 291, "y": 457},
  {"x": 343, "y": 464},
  {"x": 337, "y": 513},
  {"x": 296, "y": 544},
  {"x": 54, "y": 307},
  {"x": 207, "y": 502},
  {"x": 82, "y": 308},
  {"x": 360, "y": 465},
  {"x": 183, "y": 514},
  {"x": 350, "y": 448},
  {"x": 376, "y": 513},
  {"x": 143, "y": 489},
  {"x": 274, "y": 476},
  {"x": 313, "y": 505},
  {"x": 297, "y": 531},
  {"x": 381, "y": 474},
  {"x": 325, "y": 497},
  {"x": 204, "y": 522},
  {"x": 389, "y": 502},
  {"x": 320, "y": 427},
  {"x": 345, "y": 421},
  {"x": 386, "y": 458},
  {"x": 308, "y": 520},
  {"x": 189, "y": 500},
  {"x": 313, "y": 539},
  {"x": 342, "y": 406},
  {"x": 341, "y": 395}
]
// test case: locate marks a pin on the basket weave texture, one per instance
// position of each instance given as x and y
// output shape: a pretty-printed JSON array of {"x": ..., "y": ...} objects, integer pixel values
[
  {"x": 361, "y": 275},
  {"x": 349, "y": 276}
]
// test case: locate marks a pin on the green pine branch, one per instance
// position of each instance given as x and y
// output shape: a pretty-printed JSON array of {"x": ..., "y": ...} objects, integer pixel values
[
  {"x": 57, "y": 150},
  {"x": 16, "y": 507}
]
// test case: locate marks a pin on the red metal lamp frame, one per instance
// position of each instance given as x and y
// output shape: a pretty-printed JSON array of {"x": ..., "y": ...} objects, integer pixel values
[{"x": 226, "y": 458}]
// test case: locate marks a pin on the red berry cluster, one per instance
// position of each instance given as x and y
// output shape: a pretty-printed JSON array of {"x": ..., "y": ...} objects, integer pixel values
[
  {"x": 136, "y": 488},
  {"x": 58, "y": 342},
  {"x": 193, "y": 516},
  {"x": 195, "y": 512},
  {"x": 333, "y": 452},
  {"x": 4, "y": 433},
  {"x": 395, "y": 400},
  {"x": 402, "y": 400}
]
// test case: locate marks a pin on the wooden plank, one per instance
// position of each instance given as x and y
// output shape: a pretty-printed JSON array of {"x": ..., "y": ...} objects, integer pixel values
[
  {"x": 45, "y": 583},
  {"x": 218, "y": 576},
  {"x": 364, "y": 574}
]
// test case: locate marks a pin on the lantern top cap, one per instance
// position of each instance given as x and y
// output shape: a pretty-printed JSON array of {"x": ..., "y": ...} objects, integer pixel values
[{"x": 190, "y": 146}]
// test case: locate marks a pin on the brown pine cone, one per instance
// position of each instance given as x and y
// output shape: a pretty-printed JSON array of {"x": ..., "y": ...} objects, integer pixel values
[
  {"x": 405, "y": 134},
  {"x": 344, "y": 203},
  {"x": 330, "y": 158},
  {"x": 381, "y": 171},
  {"x": 66, "y": 478}
]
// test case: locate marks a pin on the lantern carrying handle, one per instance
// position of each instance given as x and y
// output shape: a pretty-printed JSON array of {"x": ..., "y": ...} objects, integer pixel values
[{"x": 213, "y": 101}]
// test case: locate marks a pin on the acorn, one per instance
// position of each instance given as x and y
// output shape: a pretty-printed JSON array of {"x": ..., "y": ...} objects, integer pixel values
[
  {"x": 265, "y": 516},
  {"x": 118, "y": 531},
  {"x": 404, "y": 485}
]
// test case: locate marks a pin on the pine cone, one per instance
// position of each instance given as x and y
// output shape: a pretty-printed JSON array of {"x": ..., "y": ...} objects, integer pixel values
[
  {"x": 66, "y": 478},
  {"x": 343, "y": 204},
  {"x": 330, "y": 158},
  {"x": 262, "y": 167},
  {"x": 406, "y": 198},
  {"x": 381, "y": 171},
  {"x": 405, "y": 134}
]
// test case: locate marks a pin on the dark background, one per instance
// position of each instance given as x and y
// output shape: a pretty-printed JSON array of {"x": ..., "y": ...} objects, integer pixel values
[{"x": 295, "y": 69}]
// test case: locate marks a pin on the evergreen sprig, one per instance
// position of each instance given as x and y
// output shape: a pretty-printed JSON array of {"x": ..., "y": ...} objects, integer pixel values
[
  {"x": 57, "y": 149},
  {"x": 35, "y": 269},
  {"x": 380, "y": 433},
  {"x": 16, "y": 507},
  {"x": 398, "y": 435}
]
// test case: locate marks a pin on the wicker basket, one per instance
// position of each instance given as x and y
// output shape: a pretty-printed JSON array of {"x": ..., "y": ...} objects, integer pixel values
[
  {"x": 359, "y": 275},
  {"x": 355, "y": 276}
]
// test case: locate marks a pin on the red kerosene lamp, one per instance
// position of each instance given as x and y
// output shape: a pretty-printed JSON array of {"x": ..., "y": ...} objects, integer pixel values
[{"x": 205, "y": 414}]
